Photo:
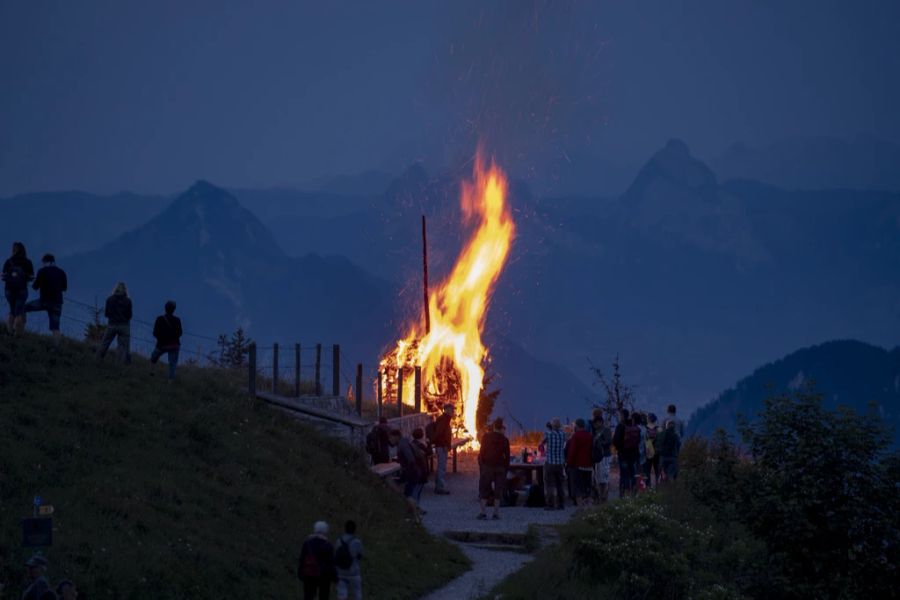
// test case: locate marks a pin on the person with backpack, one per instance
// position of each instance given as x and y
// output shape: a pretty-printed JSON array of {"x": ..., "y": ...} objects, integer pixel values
[
  {"x": 669, "y": 449},
  {"x": 50, "y": 283},
  {"x": 651, "y": 466},
  {"x": 443, "y": 439},
  {"x": 601, "y": 453},
  {"x": 118, "y": 312},
  {"x": 316, "y": 569},
  {"x": 377, "y": 442},
  {"x": 347, "y": 554},
  {"x": 493, "y": 465},
  {"x": 17, "y": 272},
  {"x": 167, "y": 331}
]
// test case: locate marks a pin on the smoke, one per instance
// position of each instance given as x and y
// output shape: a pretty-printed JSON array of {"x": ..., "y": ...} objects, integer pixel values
[{"x": 526, "y": 79}]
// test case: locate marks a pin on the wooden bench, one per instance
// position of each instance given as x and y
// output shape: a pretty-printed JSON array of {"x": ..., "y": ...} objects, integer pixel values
[{"x": 385, "y": 470}]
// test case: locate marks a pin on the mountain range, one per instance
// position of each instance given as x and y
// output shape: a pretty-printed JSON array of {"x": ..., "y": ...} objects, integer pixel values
[{"x": 691, "y": 281}]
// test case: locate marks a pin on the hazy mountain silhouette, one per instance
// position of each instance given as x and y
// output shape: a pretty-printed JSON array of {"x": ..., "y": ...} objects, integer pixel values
[
  {"x": 848, "y": 373},
  {"x": 816, "y": 163},
  {"x": 67, "y": 222}
]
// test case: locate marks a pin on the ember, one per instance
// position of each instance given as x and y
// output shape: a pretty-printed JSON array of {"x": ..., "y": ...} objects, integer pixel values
[{"x": 450, "y": 352}]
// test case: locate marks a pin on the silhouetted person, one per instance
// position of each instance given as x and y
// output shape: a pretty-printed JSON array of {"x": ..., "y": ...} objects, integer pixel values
[
  {"x": 66, "y": 590},
  {"x": 443, "y": 439},
  {"x": 167, "y": 331},
  {"x": 349, "y": 579},
  {"x": 316, "y": 568},
  {"x": 51, "y": 282},
  {"x": 493, "y": 464},
  {"x": 36, "y": 574},
  {"x": 554, "y": 443},
  {"x": 118, "y": 311},
  {"x": 17, "y": 272}
]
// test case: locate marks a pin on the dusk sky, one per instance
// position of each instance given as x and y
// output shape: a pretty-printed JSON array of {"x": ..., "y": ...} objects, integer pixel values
[{"x": 150, "y": 96}]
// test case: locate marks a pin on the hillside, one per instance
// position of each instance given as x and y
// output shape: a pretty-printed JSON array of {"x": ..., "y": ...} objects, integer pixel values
[
  {"x": 847, "y": 373},
  {"x": 184, "y": 490}
]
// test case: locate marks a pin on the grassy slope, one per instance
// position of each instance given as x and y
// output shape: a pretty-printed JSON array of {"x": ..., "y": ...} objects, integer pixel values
[{"x": 185, "y": 490}]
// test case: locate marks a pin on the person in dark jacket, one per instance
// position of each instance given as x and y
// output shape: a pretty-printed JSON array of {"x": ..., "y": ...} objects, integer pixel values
[
  {"x": 167, "y": 331},
  {"x": 17, "y": 272},
  {"x": 669, "y": 449},
  {"x": 493, "y": 464},
  {"x": 443, "y": 439},
  {"x": 118, "y": 324},
  {"x": 415, "y": 470},
  {"x": 579, "y": 459},
  {"x": 382, "y": 435},
  {"x": 36, "y": 572},
  {"x": 50, "y": 282},
  {"x": 316, "y": 569}
]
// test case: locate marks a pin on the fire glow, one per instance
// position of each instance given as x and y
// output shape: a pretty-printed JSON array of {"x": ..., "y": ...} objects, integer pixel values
[{"x": 451, "y": 354}]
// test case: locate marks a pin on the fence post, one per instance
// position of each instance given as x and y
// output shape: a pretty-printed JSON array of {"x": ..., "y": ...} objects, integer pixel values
[
  {"x": 275, "y": 368},
  {"x": 399, "y": 391},
  {"x": 336, "y": 370},
  {"x": 380, "y": 396},
  {"x": 418, "y": 392},
  {"x": 297, "y": 370},
  {"x": 359, "y": 393},
  {"x": 318, "y": 369},
  {"x": 252, "y": 367}
]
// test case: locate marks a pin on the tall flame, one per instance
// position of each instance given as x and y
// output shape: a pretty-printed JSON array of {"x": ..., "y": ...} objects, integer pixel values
[{"x": 452, "y": 353}]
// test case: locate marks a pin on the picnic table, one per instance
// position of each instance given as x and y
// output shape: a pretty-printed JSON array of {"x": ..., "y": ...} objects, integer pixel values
[{"x": 529, "y": 469}]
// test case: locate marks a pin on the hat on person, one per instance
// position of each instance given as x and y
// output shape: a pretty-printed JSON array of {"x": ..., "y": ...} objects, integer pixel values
[
  {"x": 321, "y": 527},
  {"x": 37, "y": 561}
]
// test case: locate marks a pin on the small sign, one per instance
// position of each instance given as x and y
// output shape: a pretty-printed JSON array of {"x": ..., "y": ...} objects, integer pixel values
[
  {"x": 46, "y": 510},
  {"x": 37, "y": 532}
]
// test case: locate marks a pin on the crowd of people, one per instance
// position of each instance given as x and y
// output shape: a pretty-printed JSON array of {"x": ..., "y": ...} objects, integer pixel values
[
  {"x": 38, "y": 586},
  {"x": 51, "y": 282},
  {"x": 322, "y": 564}
]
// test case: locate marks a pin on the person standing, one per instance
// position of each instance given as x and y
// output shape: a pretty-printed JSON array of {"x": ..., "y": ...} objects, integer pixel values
[
  {"x": 51, "y": 283},
  {"x": 679, "y": 424},
  {"x": 17, "y": 272},
  {"x": 167, "y": 331},
  {"x": 669, "y": 449},
  {"x": 36, "y": 573},
  {"x": 493, "y": 465},
  {"x": 601, "y": 454},
  {"x": 554, "y": 443},
  {"x": 652, "y": 465},
  {"x": 316, "y": 566},
  {"x": 579, "y": 459},
  {"x": 118, "y": 312},
  {"x": 347, "y": 554},
  {"x": 414, "y": 475},
  {"x": 443, "y": 439}
]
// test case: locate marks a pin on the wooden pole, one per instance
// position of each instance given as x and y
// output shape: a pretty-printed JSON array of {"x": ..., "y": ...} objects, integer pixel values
[
  {"x": 275, "y": 368},
  {"x": 297, "y": 370},
  {"x": 251, "y": 384},
  {"x": 359, "y": 390},
  {"x": 336, "y": 370},
  {"x": 418, "y": 392},
  {"x": 426, "y": 308},
  {"x": 400, "y": 391},
  {"x": 318, "y": 369},
  {"x": 380, "y": 395}
]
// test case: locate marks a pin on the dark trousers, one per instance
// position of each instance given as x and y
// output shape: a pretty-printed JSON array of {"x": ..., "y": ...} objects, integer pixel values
[
  {"x": 313, "y": 586},
  {"x": 173, "y": 359},
  {"x": 652, "y": 465}
]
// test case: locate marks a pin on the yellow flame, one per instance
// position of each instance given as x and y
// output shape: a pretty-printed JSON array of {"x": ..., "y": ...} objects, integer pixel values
[{"x": 459, "y": 303}]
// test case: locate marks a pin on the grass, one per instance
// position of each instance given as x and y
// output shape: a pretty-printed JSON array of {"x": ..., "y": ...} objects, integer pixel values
[{"x": 184, "y": 490}]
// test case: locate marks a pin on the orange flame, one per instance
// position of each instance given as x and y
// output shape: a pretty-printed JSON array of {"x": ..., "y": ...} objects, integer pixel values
[{"x": 459, "y": 304}]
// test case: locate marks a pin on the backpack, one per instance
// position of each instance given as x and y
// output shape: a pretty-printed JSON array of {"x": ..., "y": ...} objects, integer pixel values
[
  {"x": 632, "y": 438},
  {"x": 310, "y": 567},
  {"x": 16, "y": 279},
  {"x": 649, "y": 450},
  {"x": 372, "y": 446},
  {"x": 343, "y": 559}
]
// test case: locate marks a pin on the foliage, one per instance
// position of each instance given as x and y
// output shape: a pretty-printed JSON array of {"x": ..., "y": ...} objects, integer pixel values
[
  {"x": 824, "y": 496},
  {"x": 186, "y": 490},
  {"x": 95, "y": 329},
  {"x": 618, "y": 394},
  {"x": 232, "y": 351}
]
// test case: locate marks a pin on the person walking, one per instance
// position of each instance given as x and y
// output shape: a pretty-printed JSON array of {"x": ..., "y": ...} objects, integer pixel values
[
  {"x": 17, "y": 272},
  {"x": 50, "y": 282},
  {"x": 414, "y": 471},
  {"x": 554, "y": 443},
  {"x": 493, "y": 465},
  {"x": 579, "y": 459},
  {"x": 118, "y": 312},
  {"x": 669, "y": 449},
  {"x": 36, "y": 574},
  {"x": 601, "y": 455},
  {"x": 443, "y": 439},
  {"x": 316, "y": 569},
  {"x": 347, "y": 554},
  {"x": 167, "y": 331}
]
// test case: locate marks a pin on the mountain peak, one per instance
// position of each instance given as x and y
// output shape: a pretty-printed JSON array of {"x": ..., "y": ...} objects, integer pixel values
[{"x": 674, "y": 165}]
